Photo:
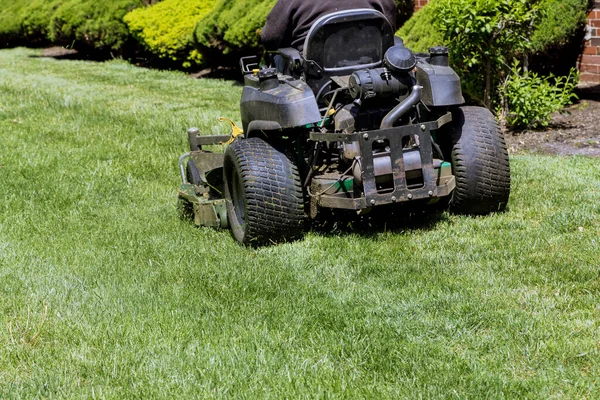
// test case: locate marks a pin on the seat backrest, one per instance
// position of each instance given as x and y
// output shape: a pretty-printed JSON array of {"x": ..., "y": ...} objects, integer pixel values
[{"x": 342, "y": 42}]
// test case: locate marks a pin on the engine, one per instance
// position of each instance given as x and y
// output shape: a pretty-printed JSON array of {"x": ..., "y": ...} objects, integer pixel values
[
  {"x": 390, "y": 81},
  {"x": 366, "y": 86}
]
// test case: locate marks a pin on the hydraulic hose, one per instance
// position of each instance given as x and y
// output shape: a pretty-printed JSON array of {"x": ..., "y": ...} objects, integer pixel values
[{"x": 397, "y": 112}]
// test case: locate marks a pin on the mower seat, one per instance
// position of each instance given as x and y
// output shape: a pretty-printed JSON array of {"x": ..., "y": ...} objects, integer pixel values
[{"x": 342, "y": 42}]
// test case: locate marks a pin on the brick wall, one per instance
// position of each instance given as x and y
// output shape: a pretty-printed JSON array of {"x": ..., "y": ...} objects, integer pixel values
[
  {"x": 590, "y": 61},
  {"x": 420, "y": 3}
]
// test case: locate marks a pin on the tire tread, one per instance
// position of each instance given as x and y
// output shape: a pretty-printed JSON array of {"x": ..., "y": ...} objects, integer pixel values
[
  {"x": 480, "y": 162},
  {"x": 274, "y": 199}
]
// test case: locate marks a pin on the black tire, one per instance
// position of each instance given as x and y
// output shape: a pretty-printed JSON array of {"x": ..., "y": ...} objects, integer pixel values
[
  {"x": 263, "y": 192},
  {"x": 479, "y": 162}
]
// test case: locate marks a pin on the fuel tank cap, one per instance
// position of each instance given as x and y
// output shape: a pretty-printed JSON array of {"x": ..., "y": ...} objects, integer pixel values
[{"x": 400, "y": 59}]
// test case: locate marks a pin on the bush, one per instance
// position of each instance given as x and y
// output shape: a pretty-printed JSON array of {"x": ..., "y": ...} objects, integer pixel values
[
  {"x": 559, "y": 37},
  {"x": 485, "y": 36},
  {"x": 95, "y": 24},
  {"x": 82, "y": 23},
  {"x": 233, "y": 25},
  {"x": 406, "y": 9},
  {"x": 419, "y": 32},
  {"x": 556, "y": 22},
  {"x": 11, "y": 20},
  {"x": 37, "y": 18},
  {"x": 559, "y": 20},
  {"x": 528, "y": 100},
  {"x": 166, "y": 29}
]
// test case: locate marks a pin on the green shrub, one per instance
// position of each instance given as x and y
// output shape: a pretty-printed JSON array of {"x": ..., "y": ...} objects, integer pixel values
[
  {"x": 528, "y": 100},
  {"x": 487, "y": 36},
  {"x": 420, "y": 32},
  {"x": 166, "y": 29},
  {"x": 484, "y": 36},
  {"x": 233, "y": 25},
  {"x": 37, "y": 18},
  {"x": 558, "y": 21},
  {"x": 95, "y": 24},
  {"x": 11, "y": 20},
  {"x": 89, "y": 23}
]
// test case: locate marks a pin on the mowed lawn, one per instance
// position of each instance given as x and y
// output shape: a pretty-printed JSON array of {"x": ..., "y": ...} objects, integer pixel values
[{"x": 106, "y": 293}]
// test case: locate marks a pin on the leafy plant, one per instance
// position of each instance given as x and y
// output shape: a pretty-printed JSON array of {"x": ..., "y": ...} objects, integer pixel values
[
  {"x": 528, "y": 99},
  {"x": 558, "y": 21},
  {"x": 233, "y": 25},
  {"x": 37, "y": 17},
  {"x": 95, "y": 24},
  {"x": 11, "y": 19},
  {"x": 166, "y": 29},
  {"x": 419, "y": 32},
  {"x": 485, "y": 36}
]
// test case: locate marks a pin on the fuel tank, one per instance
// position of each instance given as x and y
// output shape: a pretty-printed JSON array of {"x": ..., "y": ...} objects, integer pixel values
[{"x": 271, "y": 101}]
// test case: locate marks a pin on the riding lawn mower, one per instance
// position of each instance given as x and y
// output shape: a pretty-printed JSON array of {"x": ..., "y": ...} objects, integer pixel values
[{"x": 356, "y": 121}]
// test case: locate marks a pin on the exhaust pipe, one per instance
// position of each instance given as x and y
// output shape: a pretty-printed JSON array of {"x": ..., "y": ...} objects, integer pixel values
[{"x": 397, "y": 112}]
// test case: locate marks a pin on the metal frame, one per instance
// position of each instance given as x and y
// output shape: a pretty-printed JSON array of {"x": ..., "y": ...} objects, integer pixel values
[{"x": 401, "y": 193}]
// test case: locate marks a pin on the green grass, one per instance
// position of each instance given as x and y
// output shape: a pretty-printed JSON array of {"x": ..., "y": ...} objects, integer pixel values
[{"x": 143, "y": 305}]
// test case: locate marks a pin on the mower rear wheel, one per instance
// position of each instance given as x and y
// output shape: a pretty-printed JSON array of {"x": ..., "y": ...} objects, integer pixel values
[
  {"x": 263, "y": 192},
  {"x": 479, "y": 162}
]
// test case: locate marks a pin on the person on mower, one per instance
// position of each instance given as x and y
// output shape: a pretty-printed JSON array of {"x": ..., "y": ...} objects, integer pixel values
[{"x": 289, "y": 21}]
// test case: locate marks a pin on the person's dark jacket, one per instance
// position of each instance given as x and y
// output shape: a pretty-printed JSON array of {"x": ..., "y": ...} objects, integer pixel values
[{"x": 289, "y": 21}]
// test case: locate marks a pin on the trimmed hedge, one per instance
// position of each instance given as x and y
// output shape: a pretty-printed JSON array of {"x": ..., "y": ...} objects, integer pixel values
[
  {"x": 419, "y": 32},
  {"x": 81, "y": 23},
  {"x": 11, "y": 12},
  {"x": 492, "y": 44},
  {"x": 233, "y": 25},
  {"x": 97, "y": 24},
  {"x": 37, "y": 18},
  {"x": 181, "y": 31},
  {"x": 557, "y": 21},
  {"x": 166, "y": 29}
]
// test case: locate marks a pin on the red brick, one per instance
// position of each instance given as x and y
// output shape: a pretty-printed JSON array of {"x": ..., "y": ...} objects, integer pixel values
[
  {"x": 595, "y": 23},
  {"x": 589, "y": 59},
  {"x": 594, "y": 69},
  {"x": 420, "y": 4},
  {"x": 587, "y": 77},
  {"x": 592, "y": 51}
]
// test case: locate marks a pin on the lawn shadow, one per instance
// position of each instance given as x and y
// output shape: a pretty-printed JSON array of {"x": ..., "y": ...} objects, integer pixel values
[
  {"x": 142, "y": 60},
  {"x": 63, "y": 53},
  {"x": 394, "y": 219}
]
